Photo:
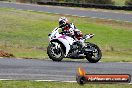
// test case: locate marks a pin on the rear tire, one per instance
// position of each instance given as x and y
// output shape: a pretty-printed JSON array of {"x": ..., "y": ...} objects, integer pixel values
[
  {"x": 96, "y": 51},
  {"x": 52, "y": 53}
]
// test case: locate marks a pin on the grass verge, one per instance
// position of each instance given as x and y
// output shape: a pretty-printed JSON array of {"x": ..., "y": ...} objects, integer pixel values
[
  {"x": 32, "y": 84},
  {"x": 24, "y": 33},
  {"x": 119, "y": 2}
]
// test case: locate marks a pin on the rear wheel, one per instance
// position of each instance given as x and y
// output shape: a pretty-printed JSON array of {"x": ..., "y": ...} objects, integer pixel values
[
  {"x": 55, "y": 51},
  {"x": 95, "y": 54}
]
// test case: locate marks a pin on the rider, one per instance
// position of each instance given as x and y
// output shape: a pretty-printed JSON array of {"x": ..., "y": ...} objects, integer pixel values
[{"x": 71, "y": 30}]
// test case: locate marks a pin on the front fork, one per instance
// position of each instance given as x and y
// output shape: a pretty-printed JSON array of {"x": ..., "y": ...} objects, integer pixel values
[{"x": 56, "y": 45}]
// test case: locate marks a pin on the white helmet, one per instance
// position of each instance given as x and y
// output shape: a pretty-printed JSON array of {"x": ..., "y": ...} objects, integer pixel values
[{"x": 63, "y": 20}]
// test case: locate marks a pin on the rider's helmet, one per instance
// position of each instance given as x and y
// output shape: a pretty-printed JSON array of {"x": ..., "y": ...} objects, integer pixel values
[{"x": 63, "y": 21}]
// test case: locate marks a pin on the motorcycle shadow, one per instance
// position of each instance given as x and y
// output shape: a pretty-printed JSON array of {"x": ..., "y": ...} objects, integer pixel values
[{"x": 72, "y": 61}]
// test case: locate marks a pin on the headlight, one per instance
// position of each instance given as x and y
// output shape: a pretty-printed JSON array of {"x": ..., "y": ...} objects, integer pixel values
[{"x": 49, "y": 34}]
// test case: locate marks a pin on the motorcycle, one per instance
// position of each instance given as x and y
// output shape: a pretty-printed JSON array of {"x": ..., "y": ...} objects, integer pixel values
[{"x": 63, "y": 46}]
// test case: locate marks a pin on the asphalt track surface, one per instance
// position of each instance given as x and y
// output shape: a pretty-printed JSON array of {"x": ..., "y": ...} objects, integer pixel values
[
  {"x": 30, "y": 69},
  {"x": 127, "y": 17}
]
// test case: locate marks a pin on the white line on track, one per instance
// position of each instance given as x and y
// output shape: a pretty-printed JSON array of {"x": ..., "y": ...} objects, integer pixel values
[
  {"x": 54, "y": 81},
  {"x": 37, "y": 80},
  {"x": 5, "y": 79}
]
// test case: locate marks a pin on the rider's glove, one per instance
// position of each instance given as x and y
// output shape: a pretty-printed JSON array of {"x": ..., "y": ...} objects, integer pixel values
[
  {"x": 91, "y": 35},
  {"x": 88, "y": 36}
]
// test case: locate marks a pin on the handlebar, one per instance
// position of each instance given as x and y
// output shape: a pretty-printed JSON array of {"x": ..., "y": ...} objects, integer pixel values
[{"x": 88, "y": 36}]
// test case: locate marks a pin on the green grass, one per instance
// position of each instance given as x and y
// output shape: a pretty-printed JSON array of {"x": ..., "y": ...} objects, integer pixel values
[
  {"x": 24, "y": 33},
  {"x": 119, "y": 2},
  {"x": 32, "y": 84}
]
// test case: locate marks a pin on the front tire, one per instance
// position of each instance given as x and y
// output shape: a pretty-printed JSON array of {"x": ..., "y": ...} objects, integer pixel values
[
  {"x": 95, "y": 54},
  {"x": 56, "y": 54}
]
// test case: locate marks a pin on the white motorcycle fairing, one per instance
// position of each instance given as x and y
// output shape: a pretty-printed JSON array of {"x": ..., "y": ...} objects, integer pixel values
[{"x": 65, "y": 40}]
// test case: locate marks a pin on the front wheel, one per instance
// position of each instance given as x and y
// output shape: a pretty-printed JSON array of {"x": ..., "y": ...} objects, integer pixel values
[
  {"x": 94, "y": 55},
  {"x": 55, "y": 51}
]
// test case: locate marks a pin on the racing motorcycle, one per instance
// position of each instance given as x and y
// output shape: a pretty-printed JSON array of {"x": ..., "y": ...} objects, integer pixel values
[{"x": 63, "y": 46}]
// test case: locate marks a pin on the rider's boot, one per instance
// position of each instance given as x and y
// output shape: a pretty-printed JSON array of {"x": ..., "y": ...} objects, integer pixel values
[{"x": 81, "y": 45}]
